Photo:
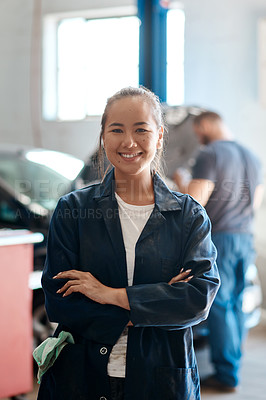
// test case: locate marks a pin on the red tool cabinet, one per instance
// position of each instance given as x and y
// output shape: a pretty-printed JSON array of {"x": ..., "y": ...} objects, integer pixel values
[{"x": 16, "y": 264}]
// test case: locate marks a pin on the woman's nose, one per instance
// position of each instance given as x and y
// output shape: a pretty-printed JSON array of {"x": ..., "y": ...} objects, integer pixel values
[{"x": 129, "y": 141}]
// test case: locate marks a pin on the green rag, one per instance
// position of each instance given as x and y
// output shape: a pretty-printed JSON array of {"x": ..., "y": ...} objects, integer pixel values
[{"x": 48, "y": 351}]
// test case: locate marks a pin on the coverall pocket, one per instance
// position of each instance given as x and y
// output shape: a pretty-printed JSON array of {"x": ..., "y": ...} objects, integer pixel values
[{"x": 177, "y": 383}]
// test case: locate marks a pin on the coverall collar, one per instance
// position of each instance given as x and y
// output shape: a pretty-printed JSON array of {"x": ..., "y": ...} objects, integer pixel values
[{"x": 165, "y": 200}]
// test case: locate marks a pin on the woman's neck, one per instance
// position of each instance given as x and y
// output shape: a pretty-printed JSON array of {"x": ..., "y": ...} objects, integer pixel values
[{"x": 135, "y": 189}]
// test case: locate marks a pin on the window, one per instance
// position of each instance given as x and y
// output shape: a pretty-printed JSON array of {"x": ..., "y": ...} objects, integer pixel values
[
  {"x": 86, "y": 60},
  {"x": 175, "y": 57},
  {"x": 94, "y": 59}
]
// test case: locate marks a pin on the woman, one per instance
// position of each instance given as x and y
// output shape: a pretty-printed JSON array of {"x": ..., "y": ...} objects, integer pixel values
[{"x": 130, "y": 269}]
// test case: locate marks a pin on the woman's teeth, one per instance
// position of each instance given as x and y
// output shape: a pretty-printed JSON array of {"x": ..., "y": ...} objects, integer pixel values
[{"x": 130, "y": 155}]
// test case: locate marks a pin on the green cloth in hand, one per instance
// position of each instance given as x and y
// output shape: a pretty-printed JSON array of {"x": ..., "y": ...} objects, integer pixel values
[{"x": 48, "y": 351}]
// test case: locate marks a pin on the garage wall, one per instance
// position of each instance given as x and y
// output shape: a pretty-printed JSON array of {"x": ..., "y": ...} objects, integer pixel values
[
  {"x": 15, "y": 33},
  {"x": 221, "y": 64},
  {"x": 221, "y": 73}
]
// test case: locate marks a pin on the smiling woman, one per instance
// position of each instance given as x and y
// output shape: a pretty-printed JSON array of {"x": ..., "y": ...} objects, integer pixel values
[
  {"x": 135, "y": 134},
  {"x": 131, "y": 144},
  {"x": 138, "y": 271}
]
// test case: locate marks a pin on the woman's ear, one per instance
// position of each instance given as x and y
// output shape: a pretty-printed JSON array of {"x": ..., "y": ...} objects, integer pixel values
[{"x": 160, "y": 138}]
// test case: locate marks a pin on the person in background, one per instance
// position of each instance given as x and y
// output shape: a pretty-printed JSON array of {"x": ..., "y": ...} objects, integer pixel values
[
  {"x": 227, "y": 181},
  {"x": 130, "y": 269}
]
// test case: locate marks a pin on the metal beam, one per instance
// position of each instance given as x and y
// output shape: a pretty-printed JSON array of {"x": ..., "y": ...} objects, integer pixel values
[{"x": 152, "y": 53}]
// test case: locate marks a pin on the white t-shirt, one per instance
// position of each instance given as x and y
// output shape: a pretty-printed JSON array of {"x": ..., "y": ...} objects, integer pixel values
[{"x": 133, "y": 219}]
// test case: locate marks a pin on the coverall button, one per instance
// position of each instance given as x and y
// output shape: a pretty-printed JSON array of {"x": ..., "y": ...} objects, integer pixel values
[{"x": 103, "y": 351}]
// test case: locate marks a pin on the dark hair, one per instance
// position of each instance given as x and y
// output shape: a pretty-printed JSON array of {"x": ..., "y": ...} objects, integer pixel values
[
  {"x": 158, "y": 115},
  {"x": 209, "y": 115}
]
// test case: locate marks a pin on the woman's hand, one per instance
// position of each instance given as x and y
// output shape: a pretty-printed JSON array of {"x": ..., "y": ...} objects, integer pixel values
[
  {"x": 183, "y": 276},
  {"x": 83, "y": 282},
  {"x": 87, "y": 284}
]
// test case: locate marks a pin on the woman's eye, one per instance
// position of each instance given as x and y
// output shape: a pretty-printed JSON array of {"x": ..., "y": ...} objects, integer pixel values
[
  {"x": 141, "y": 130},
  {"x": 117, "y": 130}
]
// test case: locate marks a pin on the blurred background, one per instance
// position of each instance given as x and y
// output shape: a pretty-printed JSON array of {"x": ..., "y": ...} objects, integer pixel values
[{"x": 61, "y": 59}]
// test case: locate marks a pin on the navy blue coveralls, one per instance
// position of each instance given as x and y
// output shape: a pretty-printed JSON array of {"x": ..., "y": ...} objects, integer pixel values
[{"x": 85, "y": 233}]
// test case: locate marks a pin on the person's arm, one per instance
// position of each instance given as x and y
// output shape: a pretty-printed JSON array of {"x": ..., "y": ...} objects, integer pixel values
[
  {"x": 199, "y": 189},
  {"x": 75, "y": 298},
  {"x": 201, "y": 184},
  {"x": 86, "y": 284},
  {"x": 81, "y": 315},
  {"x": 181, "y": 304}
]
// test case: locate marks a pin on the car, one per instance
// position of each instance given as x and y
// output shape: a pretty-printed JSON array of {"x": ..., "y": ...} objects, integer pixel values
[{"x": 31, "y": 182}]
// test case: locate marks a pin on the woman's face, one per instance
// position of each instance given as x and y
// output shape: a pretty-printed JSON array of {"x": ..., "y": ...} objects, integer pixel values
[{"x": 131, "y": 136}]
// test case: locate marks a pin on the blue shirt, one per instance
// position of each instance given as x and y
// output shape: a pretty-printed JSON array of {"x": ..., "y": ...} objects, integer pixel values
[{"x": 236, "y": 172}]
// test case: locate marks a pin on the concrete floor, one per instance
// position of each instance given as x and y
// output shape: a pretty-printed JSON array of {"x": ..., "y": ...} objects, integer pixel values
[{"x": 253, "y": 386}]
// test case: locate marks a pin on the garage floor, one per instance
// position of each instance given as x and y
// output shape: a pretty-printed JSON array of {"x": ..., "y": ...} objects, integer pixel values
[{"x": 253, "y": 385}]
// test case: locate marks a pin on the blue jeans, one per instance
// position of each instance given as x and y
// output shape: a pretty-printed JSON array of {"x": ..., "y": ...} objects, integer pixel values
[{"x": 226, "y": 320}]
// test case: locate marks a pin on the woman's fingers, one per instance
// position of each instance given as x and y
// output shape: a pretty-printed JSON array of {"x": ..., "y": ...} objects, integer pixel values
[
  {"x": 82, "y": 282},
  {"x": 174, "y": 280},
  {"x": 71, "y": 274},
  {"x": 72, "y": 289},
  {"x": 75, "y": 280},
  {"x": 68, "y": 284},
  {"x": 183, "y": 276},
  {"x": 188, "y": 279}
]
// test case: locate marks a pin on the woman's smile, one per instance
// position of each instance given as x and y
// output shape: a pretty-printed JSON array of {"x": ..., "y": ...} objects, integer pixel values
[{"x": 129, "y": 157}]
